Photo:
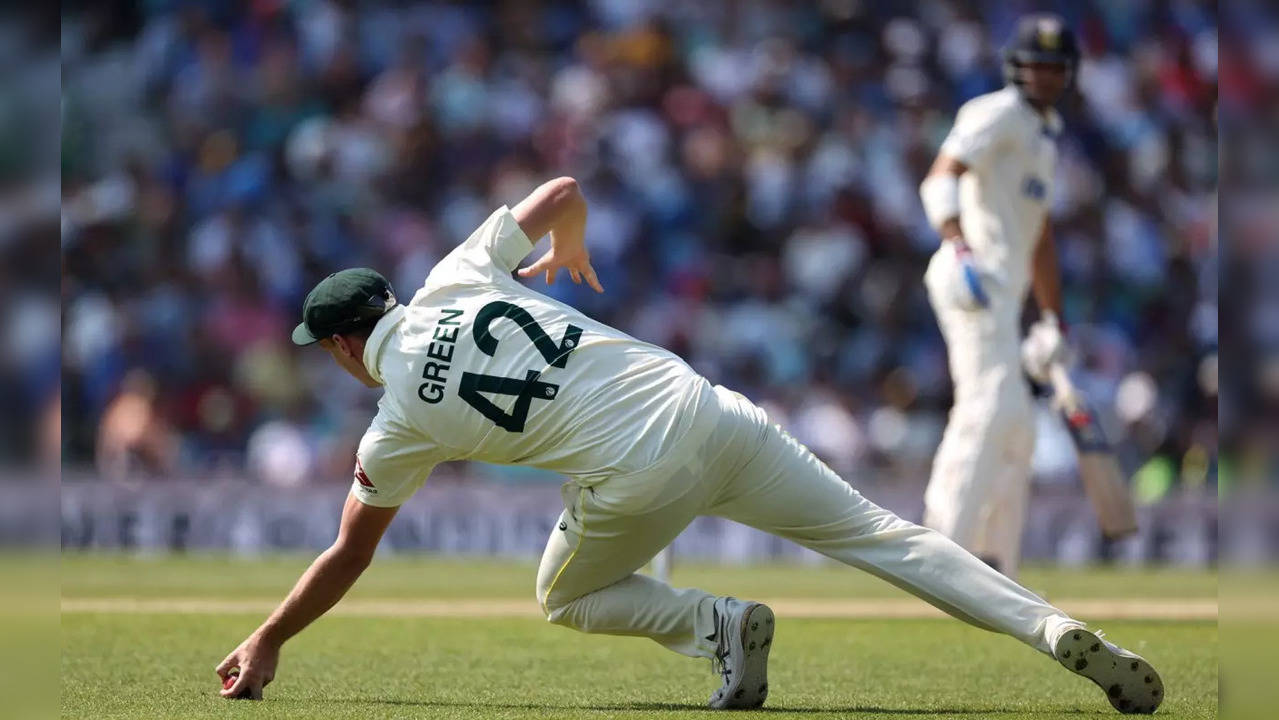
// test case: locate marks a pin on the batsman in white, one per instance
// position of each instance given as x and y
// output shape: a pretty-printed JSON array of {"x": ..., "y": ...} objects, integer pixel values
[
  {"x": 478, "y": 366},
  {"x": 987, "y": 194}
]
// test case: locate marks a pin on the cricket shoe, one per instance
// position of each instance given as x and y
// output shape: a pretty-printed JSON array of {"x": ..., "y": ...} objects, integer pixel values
[
  {"x": 743, "y": 636},
  {"x": 1130, "y": 683}
]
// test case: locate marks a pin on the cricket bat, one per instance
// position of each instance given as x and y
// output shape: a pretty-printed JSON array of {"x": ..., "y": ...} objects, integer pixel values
[{"x": 1098, "y": 468}]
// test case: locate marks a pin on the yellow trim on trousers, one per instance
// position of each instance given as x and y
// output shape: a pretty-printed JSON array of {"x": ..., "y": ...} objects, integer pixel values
[{"x": 581, "y": 509}]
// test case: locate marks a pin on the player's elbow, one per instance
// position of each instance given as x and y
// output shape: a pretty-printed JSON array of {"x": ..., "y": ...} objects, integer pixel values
[
  {"x": 565, "y": 183},
  {"x": 549, "y": 205},
  {"x": 565, "y": 191}
]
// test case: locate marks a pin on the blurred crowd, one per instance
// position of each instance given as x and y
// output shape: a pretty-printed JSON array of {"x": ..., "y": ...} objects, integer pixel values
[
  {"x": 1249, "y": 419},
  {"x": 29, "y": 271},
  {"x": 751, "y": 168}
]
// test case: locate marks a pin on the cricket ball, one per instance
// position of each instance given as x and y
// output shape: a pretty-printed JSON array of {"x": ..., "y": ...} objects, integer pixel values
[{"x": 231, "y": 677}]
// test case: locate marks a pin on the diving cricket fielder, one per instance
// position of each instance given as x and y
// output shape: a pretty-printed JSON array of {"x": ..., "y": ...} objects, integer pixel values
[
  {"x": 987, "y": 194},
  {"x": 477, "y": 366}
]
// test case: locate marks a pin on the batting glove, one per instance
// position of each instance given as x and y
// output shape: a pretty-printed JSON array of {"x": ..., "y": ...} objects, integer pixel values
[
  {"x": 1044, "y": 345},
  {"x": 955, "y": 280}
]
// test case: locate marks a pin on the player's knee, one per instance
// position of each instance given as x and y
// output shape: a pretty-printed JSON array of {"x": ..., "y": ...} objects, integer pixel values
[
  {"x": 554, "y": 595},
  {"x": 554, "y": 615},
  {"x": 1014, "y": 399},
  {"x": 544, "y": 600},
  {"x": 552, "y": 604},
  {"x": 569, "y": 612},
  {"x": 563, "y": 614},
  {"x": 1010, "y": 417}
]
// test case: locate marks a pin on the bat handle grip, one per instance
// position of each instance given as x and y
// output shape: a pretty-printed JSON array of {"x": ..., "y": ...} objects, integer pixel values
[{"x": 1063, "y": 387}]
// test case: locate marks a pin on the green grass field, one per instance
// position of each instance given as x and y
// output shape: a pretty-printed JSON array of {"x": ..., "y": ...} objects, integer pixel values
[{"x": 159, "y": 664}]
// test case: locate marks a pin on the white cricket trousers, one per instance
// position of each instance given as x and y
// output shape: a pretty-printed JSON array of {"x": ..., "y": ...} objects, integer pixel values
[
  {"x": 751, "y": 471},
  {"x": 980, "y": 482}
]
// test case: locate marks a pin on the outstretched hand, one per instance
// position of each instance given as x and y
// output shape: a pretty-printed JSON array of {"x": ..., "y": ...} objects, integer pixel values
[
  {"x": 252, "y": 665},
  {"x": 576, "y": 260}
]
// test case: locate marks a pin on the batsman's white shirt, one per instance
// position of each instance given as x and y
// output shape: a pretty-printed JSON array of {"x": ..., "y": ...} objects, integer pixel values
[
  {"x": 979, "y": 485},
  {"x": 1004, "y": 197},
  {"x": 479, "y": 367}
]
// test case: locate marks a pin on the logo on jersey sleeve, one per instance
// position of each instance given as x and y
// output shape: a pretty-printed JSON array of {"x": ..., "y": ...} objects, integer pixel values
[{"x": 362, "y": 477}]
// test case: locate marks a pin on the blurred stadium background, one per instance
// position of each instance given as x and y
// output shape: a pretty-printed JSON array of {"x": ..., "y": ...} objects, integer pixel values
[{"x": 751, "y": 169}]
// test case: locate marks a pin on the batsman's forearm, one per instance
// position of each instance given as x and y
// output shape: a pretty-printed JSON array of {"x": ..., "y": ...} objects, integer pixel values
[
  {"x": 319, "y": 588},
  {"x": 1046, "y": 275}
]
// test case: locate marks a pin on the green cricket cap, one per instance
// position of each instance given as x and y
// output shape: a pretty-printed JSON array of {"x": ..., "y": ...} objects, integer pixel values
[{"x": 343, "y": 302}]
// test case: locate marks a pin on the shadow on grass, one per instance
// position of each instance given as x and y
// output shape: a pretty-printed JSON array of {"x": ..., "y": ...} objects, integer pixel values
[{"x": 659, "y": 707}]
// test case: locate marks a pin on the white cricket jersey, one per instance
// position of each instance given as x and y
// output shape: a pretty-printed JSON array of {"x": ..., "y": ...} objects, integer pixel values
[
  {"x": 479, "y": 367},
  {"x": 1004, "y": 197}
]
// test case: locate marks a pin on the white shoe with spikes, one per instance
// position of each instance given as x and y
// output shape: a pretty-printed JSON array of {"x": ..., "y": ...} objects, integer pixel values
[
  {"x": 1130, "y": 683},
  {"x": 744, "y": 635}
]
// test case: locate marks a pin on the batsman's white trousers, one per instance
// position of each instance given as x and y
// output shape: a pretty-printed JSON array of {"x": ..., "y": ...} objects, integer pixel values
[
  {"x": 751, "y": 471},
  {"x": 981, "y": 474}
]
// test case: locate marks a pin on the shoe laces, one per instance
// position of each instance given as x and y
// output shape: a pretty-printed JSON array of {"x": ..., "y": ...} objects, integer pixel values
[{"x": 719, "y": 662}]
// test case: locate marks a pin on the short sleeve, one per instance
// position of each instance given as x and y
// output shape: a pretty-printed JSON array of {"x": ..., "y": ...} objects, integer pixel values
[
  {"x": 499, "y": 242},
  {"x": 980, "y": 129},
  {"x": 391, "y": 464}
]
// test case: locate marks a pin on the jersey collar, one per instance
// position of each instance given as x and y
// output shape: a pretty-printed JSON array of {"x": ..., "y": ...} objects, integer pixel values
[
  {"x": 1050, "y": 123},
  {"x": 377, "y": 339}
]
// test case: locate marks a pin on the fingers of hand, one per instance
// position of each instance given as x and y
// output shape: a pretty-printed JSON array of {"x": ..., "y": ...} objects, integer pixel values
[
  {"x": 543, "y": 263},
  {"x": 592, "y": 279},
  {"x": 550, "y": 268},
  {"x": 245, "y": 687},
  {"x": 231, "y": 662},
  {"x": 233, "y": 686}
]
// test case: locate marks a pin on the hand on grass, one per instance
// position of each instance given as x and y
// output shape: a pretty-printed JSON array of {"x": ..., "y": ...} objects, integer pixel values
[{"x": 252, "y": 665}]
